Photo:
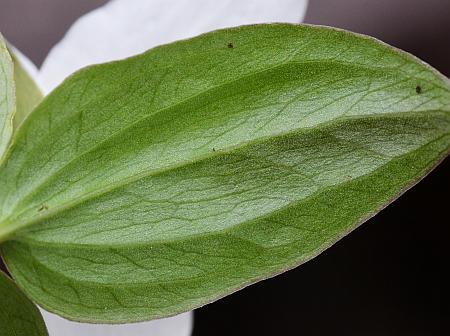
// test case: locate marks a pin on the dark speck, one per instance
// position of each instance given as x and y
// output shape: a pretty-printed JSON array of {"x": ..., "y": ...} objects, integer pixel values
[
  {"x": 214, "y": 149},
  {"x": 43, "y": 207},
  {"x": 418, "y": 89},
  {"x": 230, "y": 45}
]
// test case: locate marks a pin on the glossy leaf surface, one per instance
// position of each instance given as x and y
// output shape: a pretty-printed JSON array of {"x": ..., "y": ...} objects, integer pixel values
[
  {"x": 18, "y": 315},
  {"x": 146, "y": 187}
]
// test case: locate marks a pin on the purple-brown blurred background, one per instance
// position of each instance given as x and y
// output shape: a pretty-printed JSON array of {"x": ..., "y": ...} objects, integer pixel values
[{"x": 386, "y": 278}]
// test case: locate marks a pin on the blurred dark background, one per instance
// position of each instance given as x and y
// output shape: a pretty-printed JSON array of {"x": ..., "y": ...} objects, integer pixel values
[{"x": 389, "y": 277}]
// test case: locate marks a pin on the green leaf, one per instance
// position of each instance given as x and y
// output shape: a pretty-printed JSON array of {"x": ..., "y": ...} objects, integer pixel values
[
  {"x": 19, "y": 94},
  {"x": 18, "y": 315},
  {"x": 7, "y": 97},
  {"x": 28, "y": 94},
  {"x": 143, "y": 188}
]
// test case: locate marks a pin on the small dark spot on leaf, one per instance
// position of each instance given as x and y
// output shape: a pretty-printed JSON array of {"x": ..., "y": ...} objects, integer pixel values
[
  {"x": 214, "y": 149},
  {"x": 43, "y": 207},
  {"x": 418, "y": 89},
  {"x": 230, "y": 45}
]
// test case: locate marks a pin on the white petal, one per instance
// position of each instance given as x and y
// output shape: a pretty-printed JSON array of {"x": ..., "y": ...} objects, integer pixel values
[
  {"x": 123, "y": 28},
  {"x": 180, "y": 325}
]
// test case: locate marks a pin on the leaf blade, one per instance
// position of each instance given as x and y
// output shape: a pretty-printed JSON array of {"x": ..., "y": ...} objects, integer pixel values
[
  {"x": 18, "y": 315},
  {"x": 7, "y": 98},
  {"x": 217, "y": 169},
  {"x": 28, "y": 94}
]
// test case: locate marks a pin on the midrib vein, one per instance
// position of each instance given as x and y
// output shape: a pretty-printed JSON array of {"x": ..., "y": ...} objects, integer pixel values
[
  {"x": 229, "y": 230},
  {"x": 199, "y": 159}
]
